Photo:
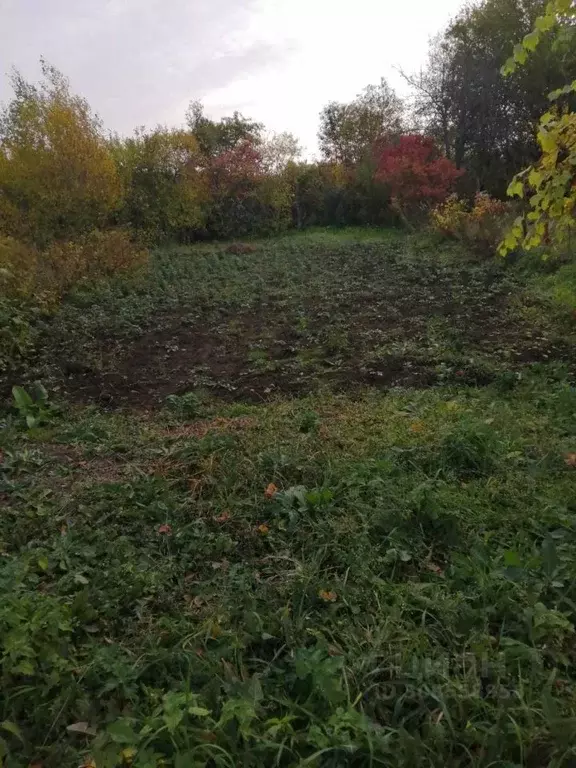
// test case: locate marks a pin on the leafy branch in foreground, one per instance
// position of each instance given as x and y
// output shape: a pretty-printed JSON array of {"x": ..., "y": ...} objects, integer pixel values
[{"x": 550, "y": 184}]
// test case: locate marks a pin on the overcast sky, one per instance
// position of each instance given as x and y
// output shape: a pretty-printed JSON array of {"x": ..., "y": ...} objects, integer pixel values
[{"x": 140, "y": 62}]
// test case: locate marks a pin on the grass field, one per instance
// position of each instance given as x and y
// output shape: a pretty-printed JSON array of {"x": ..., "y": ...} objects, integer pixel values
[{"x": 310, "y": 505}]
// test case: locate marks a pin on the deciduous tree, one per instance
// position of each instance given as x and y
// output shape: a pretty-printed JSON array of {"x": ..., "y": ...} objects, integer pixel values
[
  {"x": 215, "y": 137},
  {"x": 165, "y": 188},
  {"x": 416, "y": 174},
  {"x": 278, "y": 150},
  {"x": 349, "y": 131},
  {"x": 486, "y": 122},
  {"x": 57, "y": 175}
]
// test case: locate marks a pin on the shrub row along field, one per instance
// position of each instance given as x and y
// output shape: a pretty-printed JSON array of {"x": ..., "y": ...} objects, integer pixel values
[{"x": 304, "y": 502}]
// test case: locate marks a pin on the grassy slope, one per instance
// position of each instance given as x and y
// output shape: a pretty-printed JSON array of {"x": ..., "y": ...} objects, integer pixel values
[{"x": 406, "y": 597}]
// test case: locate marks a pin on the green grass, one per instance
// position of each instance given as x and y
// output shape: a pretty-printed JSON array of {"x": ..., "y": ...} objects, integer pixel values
[{"x": 406, "y": 596}]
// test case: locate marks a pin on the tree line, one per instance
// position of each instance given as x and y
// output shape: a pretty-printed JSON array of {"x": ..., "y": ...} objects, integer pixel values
[{"x": 384, "y": 159}]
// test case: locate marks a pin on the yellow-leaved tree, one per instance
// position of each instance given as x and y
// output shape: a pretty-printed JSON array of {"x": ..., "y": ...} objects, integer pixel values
[{"x": 58, "y": 179}]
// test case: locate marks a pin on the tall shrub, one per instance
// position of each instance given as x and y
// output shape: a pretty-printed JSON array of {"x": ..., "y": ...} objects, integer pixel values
[
  {"x": 57, "y": 175},
  {"x": 416, "y": 174},
  {"x": 165, "y": 190}
]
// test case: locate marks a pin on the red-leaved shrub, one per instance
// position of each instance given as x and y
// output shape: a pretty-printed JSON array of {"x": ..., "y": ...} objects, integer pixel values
[
  {"x": 416, "y": 173},
  {"x": 236, "y": 171}
]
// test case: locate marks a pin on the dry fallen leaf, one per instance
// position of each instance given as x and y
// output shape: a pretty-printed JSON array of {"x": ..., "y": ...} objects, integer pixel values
[
  {"x": 198, "y": 601},
  {"x": 82, "y": 727},
  {"x": 570, "y": 459},
  {"x": 327, "y": 596},
  {"x": 128, "y": 754},
  {"x": 434, "y": 568},
  {"x": 270, "y": 491},
  {"x": 165, "y": 529},
  {"x": 89, "y": 762},
  {"x": 263, "y": 529},
  {"x": 418, "y": 426},
  {"x": 223, "y": 518}
]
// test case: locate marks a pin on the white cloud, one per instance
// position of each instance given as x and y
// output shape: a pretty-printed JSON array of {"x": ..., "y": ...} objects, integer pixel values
[{"x": 278, "y": 61}]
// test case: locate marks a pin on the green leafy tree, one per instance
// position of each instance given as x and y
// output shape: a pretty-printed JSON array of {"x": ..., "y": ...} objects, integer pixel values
[
  {"x": 349, "y": 131},
  {"x": 326, "y": 193},
  {"x": 432, "y": 106},
  {"x": 215, "y": 137},
  {"x": 485, "y": 121},
  {"x": 278, "y": 150},
  {"x": 165, "y": 189},
  {"x": 550, "y": 184}
]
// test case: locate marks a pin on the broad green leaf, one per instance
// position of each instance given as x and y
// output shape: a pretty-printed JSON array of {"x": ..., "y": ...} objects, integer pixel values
[
  {"x": 544, "y": 23},
  {"x": 21, "y": 398},
  {"x": 533, "y": 242},
  {"x": 509, "y": 67},
  {"x": 531, "y": 40},
  {"x": 520, "y": 54},
  {"x": 199, "y": 711},
  {"x": 540, "y": 228},
  {"x": 173, "y": 718},
  {"x": 516, "y": 189},
  {"x": 512, "y": 558},
  {"x": 121, "y": 732},
  {"x": 12, "y": 728},
  {"x": 510, "y": 242},
  {"x": 546, "y": 118},
  {"x": 546, "y": 141},
  {"x": 43, "y": 562},
  {"x": 570, "y": 88},
  {"x": 535, "y": 178},
  {"x": 25, "y": 667}
]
